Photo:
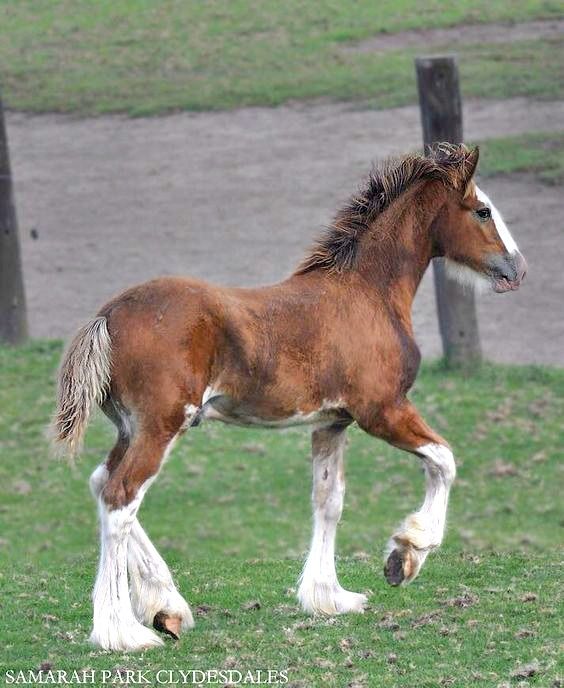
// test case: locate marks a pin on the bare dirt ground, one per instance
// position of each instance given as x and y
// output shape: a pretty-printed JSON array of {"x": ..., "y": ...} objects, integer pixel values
[
  {"x": 469, "y": 34},
  {"x": 236, "y": 197}
]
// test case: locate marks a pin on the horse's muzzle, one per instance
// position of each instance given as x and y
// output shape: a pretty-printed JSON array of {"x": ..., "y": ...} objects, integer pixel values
[{"x": 507, "y": 271}]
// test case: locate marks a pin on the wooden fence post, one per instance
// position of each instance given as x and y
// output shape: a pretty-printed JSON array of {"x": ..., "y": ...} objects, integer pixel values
[
  {"x": 441, "y": 118},
  {"x": 13, "y": 315}
]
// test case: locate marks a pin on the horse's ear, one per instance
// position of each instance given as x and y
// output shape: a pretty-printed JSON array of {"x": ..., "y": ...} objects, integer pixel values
[{"x": 470, "y": 165}]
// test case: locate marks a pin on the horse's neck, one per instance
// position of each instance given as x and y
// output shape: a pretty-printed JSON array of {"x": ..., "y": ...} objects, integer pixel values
[{"x": 398, "y": 248}]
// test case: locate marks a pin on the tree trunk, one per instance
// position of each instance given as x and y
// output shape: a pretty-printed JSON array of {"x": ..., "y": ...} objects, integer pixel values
[
  {"x": 441, "y": 118},
  {"x": 13, "y": 315}
]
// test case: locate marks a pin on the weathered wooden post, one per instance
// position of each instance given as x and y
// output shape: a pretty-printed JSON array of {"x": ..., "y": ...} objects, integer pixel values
[
  {"x": 13, "y": 315},
  {"x": 441, "y": 117}
]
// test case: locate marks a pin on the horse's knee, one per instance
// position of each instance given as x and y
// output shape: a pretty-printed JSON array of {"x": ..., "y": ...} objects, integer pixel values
[
  {"x": 115, "y": 495},
  {"x": 120, "y": 492},
  {"x": 126, "y": 487}
]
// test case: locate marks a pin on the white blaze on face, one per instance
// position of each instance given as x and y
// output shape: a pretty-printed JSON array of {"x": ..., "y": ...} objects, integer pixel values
[{"x": 501, "y": 227}]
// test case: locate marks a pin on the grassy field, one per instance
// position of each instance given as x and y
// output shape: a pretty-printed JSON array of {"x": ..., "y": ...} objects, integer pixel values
[
  {"x": 230, "y": 513},
  {"x": 541, "y": 154},
  {"x": 142, "y": 57}
]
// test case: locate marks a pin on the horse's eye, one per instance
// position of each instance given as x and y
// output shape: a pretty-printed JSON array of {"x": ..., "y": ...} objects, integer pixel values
[{"x": 484, "y": 213}]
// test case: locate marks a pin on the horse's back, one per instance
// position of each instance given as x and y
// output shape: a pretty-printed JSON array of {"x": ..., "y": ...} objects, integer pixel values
[
  {"x": 279, "y": 351},
  {"x": 173, "y": 337}
]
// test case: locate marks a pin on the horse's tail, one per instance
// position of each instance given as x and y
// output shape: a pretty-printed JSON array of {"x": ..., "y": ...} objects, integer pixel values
[{"x": 84, "y": 378}]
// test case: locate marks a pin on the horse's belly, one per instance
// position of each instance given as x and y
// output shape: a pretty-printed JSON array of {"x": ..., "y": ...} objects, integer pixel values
[{"x": 222, "y": 407}]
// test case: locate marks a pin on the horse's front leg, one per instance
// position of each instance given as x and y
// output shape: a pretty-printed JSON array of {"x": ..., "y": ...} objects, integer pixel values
[
  {"x": 422, "y": 531},
  {"x": 319, "y": 590}
]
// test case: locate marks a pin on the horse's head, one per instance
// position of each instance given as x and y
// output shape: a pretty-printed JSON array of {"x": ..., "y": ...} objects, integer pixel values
[{"x": 471, "y": 234}]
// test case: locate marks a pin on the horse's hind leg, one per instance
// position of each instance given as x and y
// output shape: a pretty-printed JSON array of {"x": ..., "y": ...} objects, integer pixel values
[
  {"x": 115, "y": 626},
  {"x": 319, "y": 590},
  {"x": 154, "y": 597},
  {"x": 101, "y": 473}
]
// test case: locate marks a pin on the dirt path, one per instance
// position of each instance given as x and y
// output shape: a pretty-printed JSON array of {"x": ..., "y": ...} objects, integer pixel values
[
  {"x": 479, "y": 34},
  {"x": 236, "y": 197}
]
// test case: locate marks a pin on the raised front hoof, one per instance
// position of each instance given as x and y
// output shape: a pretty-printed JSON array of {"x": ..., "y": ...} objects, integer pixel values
[
  {"x": 393, "y": 568},
  {"x": 132, "y": 637},
  {"x": 328, "y": 600},
  {"x": 403, "y": 564},
  {"x": 172, "y": 624}
]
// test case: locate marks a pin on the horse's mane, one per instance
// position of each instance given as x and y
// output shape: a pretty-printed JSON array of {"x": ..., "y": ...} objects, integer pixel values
[{"x": 336, "y": 249}]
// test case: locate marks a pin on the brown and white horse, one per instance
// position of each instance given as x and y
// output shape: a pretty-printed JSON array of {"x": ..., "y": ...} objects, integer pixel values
[{"x": 331, "y": 345}]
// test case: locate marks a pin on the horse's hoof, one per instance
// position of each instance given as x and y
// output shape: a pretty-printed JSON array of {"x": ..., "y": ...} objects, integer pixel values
[
  {"x": 170, "y": 625},
  {"x": 393, "y": 569}
]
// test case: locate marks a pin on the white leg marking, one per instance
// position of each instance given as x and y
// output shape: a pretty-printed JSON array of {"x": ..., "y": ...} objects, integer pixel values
[
  {"x": 151, "y": 585},
  {"x": 115, "y": 627},
  {"x": 504, "y": 233},
  {"x": 423, "y": 530},
  {"x": 319, "y": 590},
  {"x": 98, "y": 479}
]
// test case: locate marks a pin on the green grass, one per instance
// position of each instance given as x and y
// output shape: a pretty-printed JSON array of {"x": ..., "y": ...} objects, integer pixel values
[
  {"x": 230, "y": 512},
  {"x": 143, "y": 57},
  {"x": 541, "y": 154},
  {"x": 416, "y": 636}
]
